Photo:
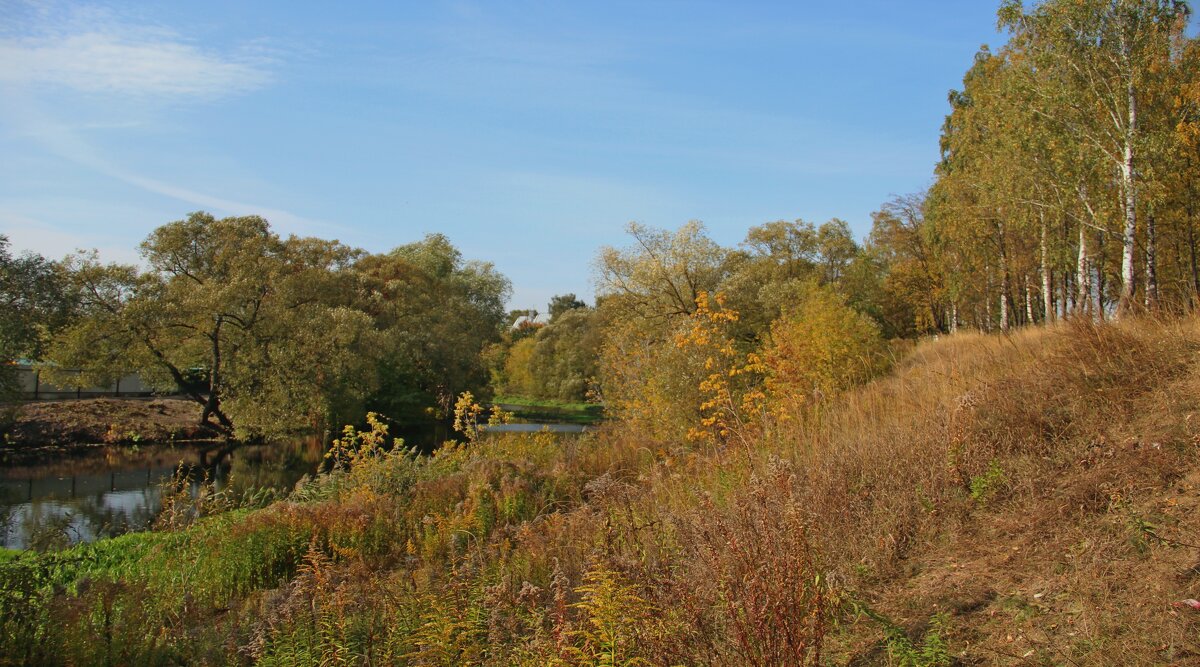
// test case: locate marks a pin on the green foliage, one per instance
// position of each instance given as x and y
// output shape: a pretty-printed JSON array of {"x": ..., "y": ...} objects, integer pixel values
[
  {"x": 435, "y": 314},
  {"x": 274, "y": 335},
  {"x": 557, "y": 361},
  {"x": 984, "y": 487},
  {"x": 34, "y": 303},
  {"x": 261, "y": 317},
  {"x": 562, "y": 303},
  {"x": 931, "y": 651},
  {"x": 562, "y": 362}
]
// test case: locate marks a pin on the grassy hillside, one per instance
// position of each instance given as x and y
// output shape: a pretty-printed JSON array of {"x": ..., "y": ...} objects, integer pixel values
[{"x": 997, "y": 500}]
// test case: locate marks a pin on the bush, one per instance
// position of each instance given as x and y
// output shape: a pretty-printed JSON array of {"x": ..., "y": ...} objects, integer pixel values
[{"x": 820, "y": 348}]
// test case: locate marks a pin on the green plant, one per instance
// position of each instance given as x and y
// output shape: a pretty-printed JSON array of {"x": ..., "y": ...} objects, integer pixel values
[
  {"x": 931, "y": 651},
  {"x": 984, "y": 487}
]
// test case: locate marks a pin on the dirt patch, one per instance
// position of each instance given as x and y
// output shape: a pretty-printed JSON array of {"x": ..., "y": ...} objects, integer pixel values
[{"x": 54, "y": 426}]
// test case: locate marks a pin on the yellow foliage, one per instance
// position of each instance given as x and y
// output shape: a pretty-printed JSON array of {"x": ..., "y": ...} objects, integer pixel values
[
  {"x": 466, "y": 416},
  {"x": 696, "y": 384},
  {"x": 818, "y": 349},
  {"x": 518, "y": 373},
  {"x": 356, "y": 446},
  {"x": 728, "y": 389},
  {"x": 613, "y": 612}
]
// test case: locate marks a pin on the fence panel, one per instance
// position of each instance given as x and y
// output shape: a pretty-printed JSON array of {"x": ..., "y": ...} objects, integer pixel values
[{"x": 33, "y": 387}]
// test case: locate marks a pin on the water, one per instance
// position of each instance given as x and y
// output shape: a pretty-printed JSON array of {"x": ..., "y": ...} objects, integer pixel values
[{"x": 115, "y": 490}]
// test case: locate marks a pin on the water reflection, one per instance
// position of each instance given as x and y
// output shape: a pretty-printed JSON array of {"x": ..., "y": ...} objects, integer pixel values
[{"x": 117, "y": 490}]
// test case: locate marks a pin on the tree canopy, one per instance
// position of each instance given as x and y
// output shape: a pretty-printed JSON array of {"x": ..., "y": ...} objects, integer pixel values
[{"x": 274, "y": 335}]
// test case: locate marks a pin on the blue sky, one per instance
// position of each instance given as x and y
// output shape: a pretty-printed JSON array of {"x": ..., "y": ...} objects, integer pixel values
[{"x": 529, "y": 133}]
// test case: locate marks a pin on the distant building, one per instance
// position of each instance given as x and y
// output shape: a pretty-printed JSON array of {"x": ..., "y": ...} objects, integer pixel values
[{"x": 531, "y": 319}]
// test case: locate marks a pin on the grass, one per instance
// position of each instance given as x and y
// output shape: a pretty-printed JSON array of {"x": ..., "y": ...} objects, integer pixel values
[
  {"x": 1021, "y": 499},
  {"x": 537, "y": 409}
]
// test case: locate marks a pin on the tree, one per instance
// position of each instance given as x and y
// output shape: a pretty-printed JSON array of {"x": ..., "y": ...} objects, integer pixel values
[
  {"x": 564, "y": 356},
  {"x": 250, "y": 326},
  {"x": 518, "y": 369},
  {"x": 900, "y": 234},
  {"x": 562, "y": 303},
  {"x": 1095, "y": 62},
  {"x": 647, "y": 294},
  {"x": 33, "y": 303},
  {"x": 820, "y": 347},
  {"x": 664, "y": 272},
  {"x": 435, "y": 313}
]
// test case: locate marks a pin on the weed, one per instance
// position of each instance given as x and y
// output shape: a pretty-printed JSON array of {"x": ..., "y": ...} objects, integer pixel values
[
  {"x": 984, "y": 487},
  {"x": 930, "y": 651},
  {"x": 613, "y": 612}
]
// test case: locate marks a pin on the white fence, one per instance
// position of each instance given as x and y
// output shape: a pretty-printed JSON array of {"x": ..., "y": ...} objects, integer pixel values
[{"x": 35, "y": 388}]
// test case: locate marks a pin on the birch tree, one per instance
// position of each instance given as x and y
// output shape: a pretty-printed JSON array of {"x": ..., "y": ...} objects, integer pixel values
[{"x": 1094, "y": 60}]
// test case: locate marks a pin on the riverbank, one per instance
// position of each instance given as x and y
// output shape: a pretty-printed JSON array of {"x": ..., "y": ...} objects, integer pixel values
[
  {"x": 544, "y": 410},
  {"x": 43, "y": 429},
  {"x": 997, "y": 499}
]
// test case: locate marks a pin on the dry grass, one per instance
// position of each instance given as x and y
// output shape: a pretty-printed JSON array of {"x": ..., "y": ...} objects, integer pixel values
[{"x": 1029, "y": 499}]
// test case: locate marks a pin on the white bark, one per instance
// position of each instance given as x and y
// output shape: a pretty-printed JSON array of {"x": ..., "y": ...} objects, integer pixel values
[
  {"x": 1047, "y": 278},
  {"x": 1028, "y": 301},
  {"x": 1081, "y": 274},
  {"x": 1151, "y": 264},
  {"x": 1130, "y": 201},
  {"x": 1003, "y": 312}
]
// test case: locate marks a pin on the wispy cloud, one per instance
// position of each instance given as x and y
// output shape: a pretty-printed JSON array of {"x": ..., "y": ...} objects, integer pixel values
[
  {"x": 51, "y": 46},
  {"x": 94, "y": 51},
  {"x": 33, "y": 235},
  {"x": 62, "y": 140}
]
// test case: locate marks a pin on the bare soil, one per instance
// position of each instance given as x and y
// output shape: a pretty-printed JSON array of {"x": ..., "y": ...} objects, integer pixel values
[{"x": 46, "y": 428}]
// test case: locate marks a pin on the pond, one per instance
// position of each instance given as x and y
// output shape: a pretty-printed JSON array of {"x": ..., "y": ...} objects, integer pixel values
[{"x": 114, "y": 490}]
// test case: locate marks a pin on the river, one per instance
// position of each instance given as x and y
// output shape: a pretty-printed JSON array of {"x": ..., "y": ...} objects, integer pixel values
[{"x": 113, "y": 490}]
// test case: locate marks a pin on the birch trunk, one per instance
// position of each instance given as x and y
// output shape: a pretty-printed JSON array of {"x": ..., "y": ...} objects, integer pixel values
[
  {"x": 1006, "y": 300},
  {"x": 1130, "y": 200},
  {"x": 1004, "y": 313},
  {"x": 1081, "y": 274},
  {"x": 1028, "y": 301},
  {"x": 1151, "y": 264},
  {"x": 1047, "y": 277}
]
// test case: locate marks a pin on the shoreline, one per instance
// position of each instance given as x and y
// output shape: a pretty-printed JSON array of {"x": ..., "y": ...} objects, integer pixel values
[{"x": 54, "y": 430}]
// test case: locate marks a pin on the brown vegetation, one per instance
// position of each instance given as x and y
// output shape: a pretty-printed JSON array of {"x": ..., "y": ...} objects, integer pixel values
[
  {"x": 996, "y": 500},
  {"x": 105, "y": 421}
]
